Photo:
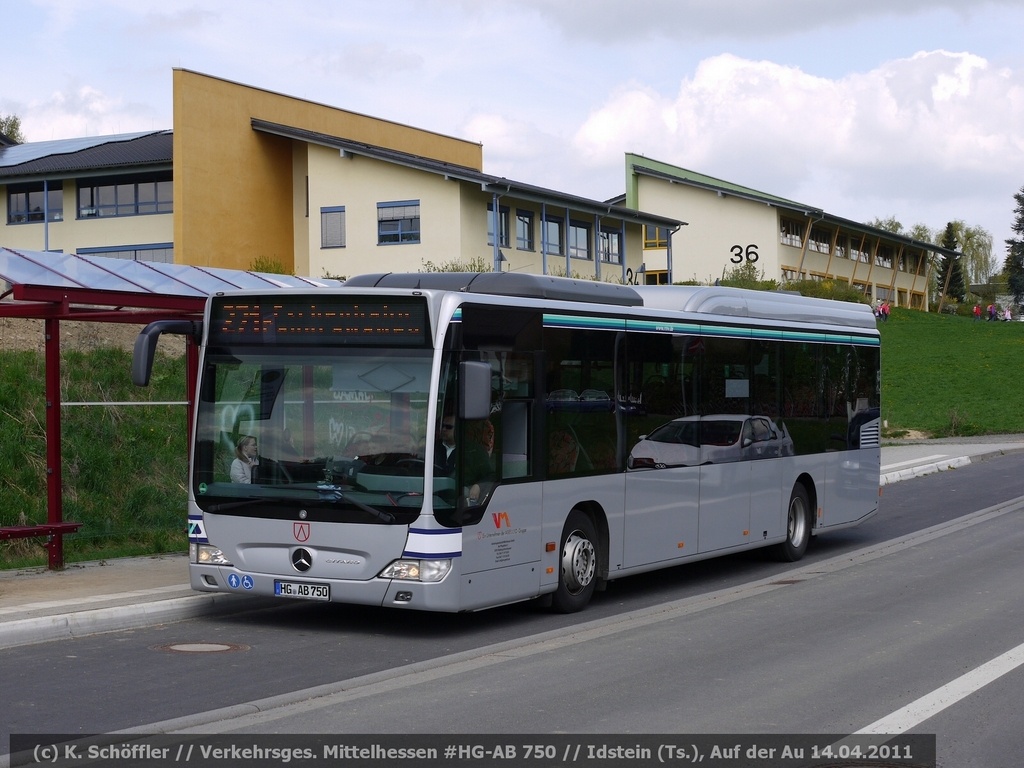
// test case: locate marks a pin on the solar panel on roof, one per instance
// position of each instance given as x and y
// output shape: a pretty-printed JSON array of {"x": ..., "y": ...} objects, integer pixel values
[{"x": 26, "y": 153}]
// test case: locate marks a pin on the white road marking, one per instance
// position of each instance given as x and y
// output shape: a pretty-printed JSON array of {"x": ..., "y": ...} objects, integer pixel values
[{"x": 916, "y": 712}]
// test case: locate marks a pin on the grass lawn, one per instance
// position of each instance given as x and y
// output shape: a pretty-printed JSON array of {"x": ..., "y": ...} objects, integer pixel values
[{"x": 951, "y": 376}]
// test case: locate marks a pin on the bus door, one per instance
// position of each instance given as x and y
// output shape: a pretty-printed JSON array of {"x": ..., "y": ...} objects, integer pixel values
[
  {"x": 724, "y": 373},
  {"x": 725, "y": 480},
  {"x": 663, "y": 450},
  {"x": 498, "y": 502}
]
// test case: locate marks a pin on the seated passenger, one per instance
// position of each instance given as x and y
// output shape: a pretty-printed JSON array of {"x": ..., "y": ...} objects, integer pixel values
[{"x": 246, "y": 460}]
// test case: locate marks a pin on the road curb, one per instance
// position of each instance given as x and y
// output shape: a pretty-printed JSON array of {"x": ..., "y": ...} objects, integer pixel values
[
  {"x": 924, "y": 469},
  {"x": 132, "y": 616}
]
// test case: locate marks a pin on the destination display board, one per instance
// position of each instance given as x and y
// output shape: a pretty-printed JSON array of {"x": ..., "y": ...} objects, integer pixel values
[{"x": 307, "y": 321}]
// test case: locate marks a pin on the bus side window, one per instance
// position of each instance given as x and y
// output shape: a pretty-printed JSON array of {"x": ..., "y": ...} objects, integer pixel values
[{"x": 515, "y": 440}]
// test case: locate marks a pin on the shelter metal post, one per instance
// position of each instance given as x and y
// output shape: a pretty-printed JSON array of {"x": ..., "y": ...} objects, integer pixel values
[
  {"x": 54, "y": 479},
  {"x": 192, "y": 375}
]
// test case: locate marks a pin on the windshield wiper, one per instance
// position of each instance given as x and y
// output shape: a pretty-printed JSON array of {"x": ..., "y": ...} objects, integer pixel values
[
  {"x": 334, "y": 493},
  {"x": 242, "y": 503}
]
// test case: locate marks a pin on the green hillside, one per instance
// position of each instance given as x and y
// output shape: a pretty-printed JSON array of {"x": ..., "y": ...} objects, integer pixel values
[
  {"x": 124, "y": 467},
  {"x": 951, "y": 376}
]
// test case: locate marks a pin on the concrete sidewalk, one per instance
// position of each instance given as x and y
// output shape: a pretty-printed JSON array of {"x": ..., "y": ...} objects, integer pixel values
[
  {"x": 902, "y": 460},
  {"x": 37, "y": 605}
]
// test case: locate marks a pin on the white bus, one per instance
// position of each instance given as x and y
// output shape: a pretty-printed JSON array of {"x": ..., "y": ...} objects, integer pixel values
[{"x": 600, "y": 431}]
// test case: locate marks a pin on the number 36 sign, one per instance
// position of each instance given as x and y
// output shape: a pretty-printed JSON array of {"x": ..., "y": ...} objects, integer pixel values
[{"x": 743, "y": 253}]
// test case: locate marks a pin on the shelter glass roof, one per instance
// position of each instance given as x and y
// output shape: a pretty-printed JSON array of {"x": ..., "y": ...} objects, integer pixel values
[{"x": 104, "y": 274}]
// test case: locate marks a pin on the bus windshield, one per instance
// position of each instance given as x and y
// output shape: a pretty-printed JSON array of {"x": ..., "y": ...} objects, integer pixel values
[{"x": 340, "y": 431}]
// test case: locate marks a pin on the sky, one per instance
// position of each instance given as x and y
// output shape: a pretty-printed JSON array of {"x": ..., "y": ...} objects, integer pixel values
[{"x": 873, "y": 109}]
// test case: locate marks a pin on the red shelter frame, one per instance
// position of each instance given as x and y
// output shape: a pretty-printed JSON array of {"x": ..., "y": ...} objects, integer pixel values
[
  {"x": 52, "y": 306},
  {"x": 52, "y": 287}
]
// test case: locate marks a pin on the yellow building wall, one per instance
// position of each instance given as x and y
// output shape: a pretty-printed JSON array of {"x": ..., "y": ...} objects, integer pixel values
[
  {"x": 719, "y": 228},
  {"x": 359, "y": 183},
  {"x": 235, "y": 188},
  {"x": 301, "y": 217}
]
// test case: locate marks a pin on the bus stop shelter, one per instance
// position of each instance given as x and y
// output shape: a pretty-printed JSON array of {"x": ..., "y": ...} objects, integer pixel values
[{"x": 54, "y": 287}]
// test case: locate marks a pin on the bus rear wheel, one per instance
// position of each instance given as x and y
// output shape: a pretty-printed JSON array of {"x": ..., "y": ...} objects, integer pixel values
[
  {"x": 577, "y": 564},
  {"x": 798, "y": 527}
]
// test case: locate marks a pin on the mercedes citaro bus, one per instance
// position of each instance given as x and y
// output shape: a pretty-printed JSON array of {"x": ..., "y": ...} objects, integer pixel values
[{"x": 455, "y": 441}]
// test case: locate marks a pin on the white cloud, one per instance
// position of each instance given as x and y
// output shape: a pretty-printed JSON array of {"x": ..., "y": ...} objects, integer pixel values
[
  {"x": 84, "y": 110},
  {"x": 827, "y": 103},
  {"x": 731, "y": 19},
  {"x": 928, "y": 125}
]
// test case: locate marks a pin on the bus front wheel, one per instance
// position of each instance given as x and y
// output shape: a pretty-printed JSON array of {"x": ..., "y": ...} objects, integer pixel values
[
  {"x": 798, "y": 527},
  {"x": 577, "y": 564}
]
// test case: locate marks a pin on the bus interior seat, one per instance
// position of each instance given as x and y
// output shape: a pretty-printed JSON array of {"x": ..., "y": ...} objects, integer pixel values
[{"x": 566, "y": 454}]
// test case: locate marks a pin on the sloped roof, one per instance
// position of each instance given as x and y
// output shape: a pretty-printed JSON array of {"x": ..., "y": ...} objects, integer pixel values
[
  {"x": 488, "y": 183},
  {"x": 85, "y": 154},
  {"x": 702, "y": 180},
  {"x": 672, "y": 174}
]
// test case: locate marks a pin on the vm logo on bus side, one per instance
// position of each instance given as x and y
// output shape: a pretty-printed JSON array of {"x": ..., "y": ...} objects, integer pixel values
[{"x": 501, "y": 519}]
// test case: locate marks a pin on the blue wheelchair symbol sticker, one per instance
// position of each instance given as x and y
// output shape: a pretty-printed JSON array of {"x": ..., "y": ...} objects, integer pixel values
[{"x": 247, "y": 582}]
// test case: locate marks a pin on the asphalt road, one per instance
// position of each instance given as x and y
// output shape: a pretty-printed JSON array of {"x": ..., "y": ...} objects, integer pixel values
[{"x": 872, "y": 621}]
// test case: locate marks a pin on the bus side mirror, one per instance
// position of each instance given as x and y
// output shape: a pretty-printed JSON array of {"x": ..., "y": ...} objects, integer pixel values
[
  {"x": 474, "y": 389},
  {"x": 145, "y": 345}
]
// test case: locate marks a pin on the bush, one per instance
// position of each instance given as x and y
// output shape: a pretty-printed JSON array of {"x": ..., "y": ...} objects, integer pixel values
[{"x": 837, "y": 290}]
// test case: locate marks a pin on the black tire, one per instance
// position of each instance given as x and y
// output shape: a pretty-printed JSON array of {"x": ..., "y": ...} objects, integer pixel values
[
  {"x": 798, "y": 527},
  {"x": 578, "y": 564}
]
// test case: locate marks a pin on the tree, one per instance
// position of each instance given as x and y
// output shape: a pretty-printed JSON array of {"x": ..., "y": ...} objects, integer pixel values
[
  {"x": 1014, "y": 265},
  {"x": 891, "y": 224},
  {"x": 951, "y": 275},
  {"x": 975, "y": 243},
  {"x": 10, "y": 126}
]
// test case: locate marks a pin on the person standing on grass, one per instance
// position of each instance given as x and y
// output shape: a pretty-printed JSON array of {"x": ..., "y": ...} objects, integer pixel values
[{"x": 977, "y": 311}]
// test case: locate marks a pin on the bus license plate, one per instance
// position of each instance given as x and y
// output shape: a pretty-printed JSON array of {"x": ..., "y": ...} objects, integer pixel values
[{"x": 302, "y": 590}]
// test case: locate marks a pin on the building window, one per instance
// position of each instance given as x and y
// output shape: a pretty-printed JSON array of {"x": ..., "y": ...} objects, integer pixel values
[
  {"x": 579, "y": 240},
  {"x": 160, "y": 252},
  {"x": 524, "y": 230},
  {"x": 821, "y": 240},
  {"x": 791, "y": 232},
  {"x": 27, "y": 203},
  {"x": 610, "y": 246},
  {"x": 656, "y": 277},
  {"x": 655, "y": 237},
  {"x": 398, "y": 222},
  {"x": 554, "y": 241},
  {"x": 125, "y": 196},
  {"x": 884, "y": 256},
  {"x": 332, "y": 227},
  {"x": 503, "y": 214}
]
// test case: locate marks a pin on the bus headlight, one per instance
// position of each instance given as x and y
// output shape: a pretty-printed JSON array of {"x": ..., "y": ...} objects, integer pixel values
[
  {"x": 207, "y": 554},
  {"x": 417, "y": 570}
]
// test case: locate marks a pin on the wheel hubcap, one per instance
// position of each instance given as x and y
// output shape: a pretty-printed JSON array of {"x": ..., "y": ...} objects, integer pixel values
[
  {"x": 579, "y": 562},
  {"x": 797, "y": 523}
]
